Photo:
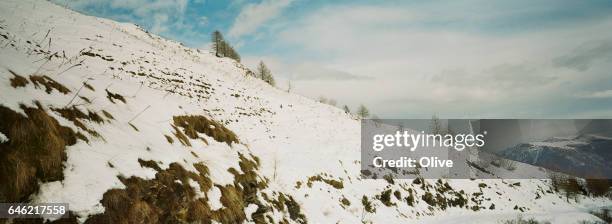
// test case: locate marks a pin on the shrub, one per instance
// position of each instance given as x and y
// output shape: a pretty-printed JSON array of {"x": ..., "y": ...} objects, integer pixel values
[
  {"x": 385, "y": 198},
  {"x": 367, "y": 205}
]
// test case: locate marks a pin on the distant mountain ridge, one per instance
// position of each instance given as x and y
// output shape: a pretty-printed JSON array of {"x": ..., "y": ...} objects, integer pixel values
[{"x": 582, "y": 155}]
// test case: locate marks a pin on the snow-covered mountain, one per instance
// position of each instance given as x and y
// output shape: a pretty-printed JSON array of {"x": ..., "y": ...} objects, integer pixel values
[
  {"x": 582, "y": 155},
  {"x": 128, "y": 127}
]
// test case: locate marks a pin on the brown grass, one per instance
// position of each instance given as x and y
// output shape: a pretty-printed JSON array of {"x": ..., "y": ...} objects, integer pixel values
[
  {"x": 149, "y": 164},
  {"x": 108, "y": 115},
  {"x": 194, "y": 124},
  {"x": 34, "y": 154},
  {"x": 85, "y": 99},
  {"x": 76, "y": 116},
  {"x": 168, "y": 198},
  {"x": 169, "y": 139},
  {"x": 338, "y": 184},
  {"x": 88, "y": 86},
  {"x": 133, "y": 126},
  {"x": 181, "y": 137},
  {"x": 114, "y": 96},
  {"x": 17, "y": 80},
  {"x": 48, "y": 83}
]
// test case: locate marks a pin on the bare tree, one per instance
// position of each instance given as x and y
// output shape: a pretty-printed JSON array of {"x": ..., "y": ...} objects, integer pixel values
[{"x": 264, "y": 73}]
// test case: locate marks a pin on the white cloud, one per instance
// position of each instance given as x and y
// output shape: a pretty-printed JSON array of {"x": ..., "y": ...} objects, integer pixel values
[
  {"x": 253, "y": 16},
  {"x": 598, "y": 94},
  {"x": 160, "y": 15},
  {"x": 435, "y": 69}
]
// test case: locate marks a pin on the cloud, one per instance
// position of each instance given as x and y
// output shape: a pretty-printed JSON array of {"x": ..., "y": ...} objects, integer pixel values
[
  {"x": 498, "y": 77},
  {"x": 253, "y": 16},
  {"x": 164, "y": 17},
  {"x": 424, "y": 64},
  {"x": 582, "y": 57},
  {"x": 312, "y": 71},
  {"x": 598, "y": 94}
]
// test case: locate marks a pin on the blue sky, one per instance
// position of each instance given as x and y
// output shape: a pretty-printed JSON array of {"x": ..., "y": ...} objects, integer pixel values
[{"x": 408, "y": 58}]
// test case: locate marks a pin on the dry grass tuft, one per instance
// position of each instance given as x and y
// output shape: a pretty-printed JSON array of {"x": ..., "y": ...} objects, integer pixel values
[
  {"x": 181, "y": 137},
  {"x": 34, "y": 154},
  {"x": 169, "y": 139},
  {"x": 114, "y": 96},
  {"x": 149, "y": 164},
  {"x": 88, "y": 86},
  {"x": 168, "y": 198},
  {"x": 48, "y": 83},
  {"x": 338, "y": 184},
  {"x": 17, "y": 80},
  {"x": 194, "y": 124},
  {"x": 108, "y": 115},
  {"x": 133, "y": 126},
  {"x": 77, "y": 116}
]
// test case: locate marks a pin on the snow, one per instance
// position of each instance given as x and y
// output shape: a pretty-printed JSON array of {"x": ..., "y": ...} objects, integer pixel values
[
  {"x": 214, "y": 197},
  {"x": 294, "y": 137},
  {"x": 3, "y": 138}
]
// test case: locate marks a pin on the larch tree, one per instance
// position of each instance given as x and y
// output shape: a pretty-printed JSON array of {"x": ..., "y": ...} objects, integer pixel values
[
  {"x": 222, "y": 48},
  {"x": 363, "y": 111},
  {"x": 264, "y": 73},
  {"x": 218, "y": 43}
]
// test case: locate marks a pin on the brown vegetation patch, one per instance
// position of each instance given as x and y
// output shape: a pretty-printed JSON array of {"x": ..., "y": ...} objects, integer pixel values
[
  {"x": 114, "y": 96},
  {"x": 48, "y": 83},
  {"x": 286, "y": 202},
  {"x": 194, "y": 124},
  {"x": 85, "y": 99},
  {"x": 338, "y": 184},
  {"x": 77, "y": 116},
  {"x": 17, "y": 80},
  {"x": 169, "y": 139},
  {"x": 133, "y": 126},
  {"x": 108, "y": 115},
  {"x": 367, "y": 205},
  {"x": 88, "y": 86},
  {"x": 149, "y": 164},
  {"x": 34, "y": 154},
  {"x": 180, "y": 136},
  {"x": 169, "y": 198}
]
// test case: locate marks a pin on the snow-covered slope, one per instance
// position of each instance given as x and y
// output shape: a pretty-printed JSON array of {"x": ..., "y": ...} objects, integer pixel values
[{"x": 143, "y": 127}]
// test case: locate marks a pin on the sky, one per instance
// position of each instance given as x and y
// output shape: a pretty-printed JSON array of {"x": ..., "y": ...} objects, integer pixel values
[{"x": 408, "y": 59}]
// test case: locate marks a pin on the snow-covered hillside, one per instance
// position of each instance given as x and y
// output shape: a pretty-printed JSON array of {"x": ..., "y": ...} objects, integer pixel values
[{"x": 126, "y": 126}]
